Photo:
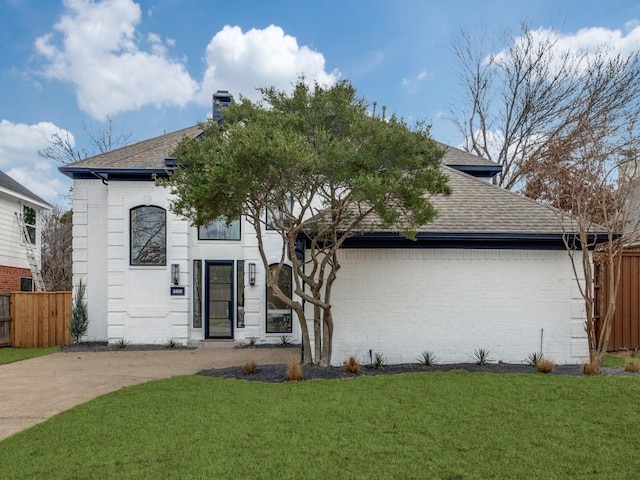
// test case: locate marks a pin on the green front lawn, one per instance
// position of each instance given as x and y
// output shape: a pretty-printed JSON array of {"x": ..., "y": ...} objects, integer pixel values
[
  {"x": 452, "y": 425},
  {"x": 8, "y": 355}
]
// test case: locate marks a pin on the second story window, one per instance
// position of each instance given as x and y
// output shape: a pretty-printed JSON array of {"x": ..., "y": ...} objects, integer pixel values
[
  {"x": 219, "y": 230},
  {"x": 29, "y": 217},
  {"x": 148, "y": 236}
]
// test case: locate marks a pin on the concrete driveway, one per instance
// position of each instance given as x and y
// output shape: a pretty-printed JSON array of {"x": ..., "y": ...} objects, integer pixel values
[{"x": 34, "y": 390}]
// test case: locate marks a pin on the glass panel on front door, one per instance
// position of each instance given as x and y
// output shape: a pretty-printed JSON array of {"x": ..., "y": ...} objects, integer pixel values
[{"x": 219, "y": 300}]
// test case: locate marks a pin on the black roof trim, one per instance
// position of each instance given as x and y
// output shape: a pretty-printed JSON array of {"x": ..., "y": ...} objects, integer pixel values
[{"x": 473, "y": 240}]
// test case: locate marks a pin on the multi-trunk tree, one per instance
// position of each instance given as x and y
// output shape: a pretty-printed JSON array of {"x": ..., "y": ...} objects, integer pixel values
[
  {"x": 316, "y": 168},
  {"x": 562, "y": 122}
]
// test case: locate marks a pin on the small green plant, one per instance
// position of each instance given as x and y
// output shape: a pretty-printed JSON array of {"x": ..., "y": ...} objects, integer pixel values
[
  {"x": 249, "y": 367},
  {"x": 351, "y": 365},
  {"x": 481, "y": 355},
  {"x": 294, "y": 371},
  {"x": 172, "y": 343},
  {"x": 533, "y": 359},
  {"x": 285, "y": 340},
  {"x": 80, "y": 315},
  {"x": 121, "y": 343},
  {"x": 252, "y": 341},
  {"x": 427, "y": 359},
  {"x": 379, "y": 361}
]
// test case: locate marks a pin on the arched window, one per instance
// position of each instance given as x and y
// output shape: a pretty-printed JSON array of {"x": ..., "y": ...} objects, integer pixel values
[
  {"x": 148, "y": 235},
  {"x": 278, "y": 313}
]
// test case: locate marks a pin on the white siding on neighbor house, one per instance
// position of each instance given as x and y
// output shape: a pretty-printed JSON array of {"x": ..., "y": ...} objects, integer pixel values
[
  {"x": 401, "y": 302},
  {"x": 12, "y": 249}
]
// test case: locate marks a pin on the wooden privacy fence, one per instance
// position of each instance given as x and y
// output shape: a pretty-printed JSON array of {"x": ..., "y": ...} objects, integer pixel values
[
  {"x": 40, "y": 319},
  {"x": 625, "y": 327}
]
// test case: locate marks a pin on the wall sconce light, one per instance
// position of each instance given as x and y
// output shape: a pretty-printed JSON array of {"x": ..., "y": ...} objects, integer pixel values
[
  {"x": 252, "y": 274},
  {"x": 175, "y": 273}
]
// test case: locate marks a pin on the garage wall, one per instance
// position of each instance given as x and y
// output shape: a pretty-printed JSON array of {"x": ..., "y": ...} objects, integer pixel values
[{"x": 401, "y": 302}]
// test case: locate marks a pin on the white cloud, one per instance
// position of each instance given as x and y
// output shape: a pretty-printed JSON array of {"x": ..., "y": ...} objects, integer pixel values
[
  {"x": 412, "y": 84},
  {"x": 587, "y": 40},
  {"x": 99, "y": 53},
  {"x": 240, "y": 62},
  {"x": 19, "y": 146},
  {"x": 96, "y": 46}
]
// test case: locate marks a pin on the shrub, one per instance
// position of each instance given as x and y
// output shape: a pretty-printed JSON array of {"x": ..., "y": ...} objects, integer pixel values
[
  {"x": 294, "y": 372},
  {"x": 285, "y": 340},
  {"x": 427, "y": 359},
  {"x": 122, "y": 343},
  {"x": 79, "y": 321},
  {"x": 481, "y": 355},
  {"x": 533, "y": 359},
  {"x": 379, "y": 361},
  {"x": 632, "y": 366},
  {"x": 249, "y": 367},
  {"x": 171, "y": 343},
  {"x": 545, "y": 365},
  {"x": 591, "y": 368},
  {"x": 351, "y": 365}
]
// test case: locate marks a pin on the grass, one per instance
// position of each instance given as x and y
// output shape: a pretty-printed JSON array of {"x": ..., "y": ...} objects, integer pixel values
[
  {"x": 9, "y": 355},
  {"x": 618, "y": 360},
  {"x": 452, "y": 425}
]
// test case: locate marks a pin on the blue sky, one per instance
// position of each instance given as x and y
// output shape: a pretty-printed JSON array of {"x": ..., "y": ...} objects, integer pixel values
[{"x": 151, "y": 66}]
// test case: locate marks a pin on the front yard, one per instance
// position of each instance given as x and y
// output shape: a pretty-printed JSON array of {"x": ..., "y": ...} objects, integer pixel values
[
  {"x": 452, "y": 425},
  {"x": 8, "y": 355}
]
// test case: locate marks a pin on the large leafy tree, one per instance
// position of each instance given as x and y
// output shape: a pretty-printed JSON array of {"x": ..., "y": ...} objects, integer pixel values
[{"x": 319, "y": 169}]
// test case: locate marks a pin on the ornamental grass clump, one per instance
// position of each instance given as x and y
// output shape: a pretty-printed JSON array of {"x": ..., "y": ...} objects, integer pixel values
[
  {"x": 249, "y": 367},
  {"x": 351, "y": 365},
  {"x": 294, "y": 371},
  {"x": 545, "y": 365},
  {"x": 591, "y": 368},
  {"x": 632, "y": 366},
  {"x": 427, "y": 359}
]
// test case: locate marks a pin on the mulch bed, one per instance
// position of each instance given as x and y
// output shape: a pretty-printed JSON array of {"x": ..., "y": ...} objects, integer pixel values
[{"x": 277, "y": 373}]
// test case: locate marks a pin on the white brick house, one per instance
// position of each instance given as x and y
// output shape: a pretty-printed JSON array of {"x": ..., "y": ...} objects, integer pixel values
[{"x": 491, "y": 272}]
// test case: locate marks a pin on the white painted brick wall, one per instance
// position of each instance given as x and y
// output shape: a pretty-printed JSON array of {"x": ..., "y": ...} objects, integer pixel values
[{"x": 451, "y": 302}]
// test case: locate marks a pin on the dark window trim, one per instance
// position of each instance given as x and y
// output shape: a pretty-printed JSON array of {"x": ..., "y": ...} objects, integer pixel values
[
  {"x": 240, "y": 269},
  {"x": 205, "y": 322},
  {"x": 266, "y": 303},
  {"x": 22, "y": 280},
  {"x": 131, "y": 262},
  {"x": 223, "y": 239}
]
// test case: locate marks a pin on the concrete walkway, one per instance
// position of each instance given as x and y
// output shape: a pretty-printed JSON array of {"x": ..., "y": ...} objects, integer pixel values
[{"x": 34, "y": 390}]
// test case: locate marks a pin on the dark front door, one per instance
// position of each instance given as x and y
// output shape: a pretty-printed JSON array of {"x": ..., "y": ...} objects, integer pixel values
[{"x": 219, "y": 300}]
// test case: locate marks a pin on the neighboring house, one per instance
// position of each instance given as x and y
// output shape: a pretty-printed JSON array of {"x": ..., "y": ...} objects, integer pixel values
[
  {"x": 17, "y": 201},
  {"x": 491, "y": 272}
]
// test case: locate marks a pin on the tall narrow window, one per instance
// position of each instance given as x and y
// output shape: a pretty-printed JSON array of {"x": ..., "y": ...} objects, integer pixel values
[
  {"x": 197, "y": 294},
  {"x": 240, "y": 293},
  {"x": 219, "y": 229},
  {"x": 29, "y": 217},
  {"x": 278, "y": 313},
  {"x": 148, "y": 236}
]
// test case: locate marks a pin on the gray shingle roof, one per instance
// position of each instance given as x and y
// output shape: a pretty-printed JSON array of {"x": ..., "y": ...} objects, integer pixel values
[
  {"x": 10, "y": 184},
  {"x": 455, "y": 156},
  {"x": 478, "y": 206},
  {"x": 148, "y": 154},
  {"x": 475, "y": 206},
  {"x": 151, "y": 154}
]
